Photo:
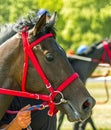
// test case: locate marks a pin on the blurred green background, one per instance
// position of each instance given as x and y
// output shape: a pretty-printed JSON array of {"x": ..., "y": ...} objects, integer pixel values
[{"x": 78, "y": 22}]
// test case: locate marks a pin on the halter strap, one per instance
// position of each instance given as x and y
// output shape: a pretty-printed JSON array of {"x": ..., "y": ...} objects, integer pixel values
[
  {"x": 107, "y": 51},
  {"x": 28, "y": 53}
]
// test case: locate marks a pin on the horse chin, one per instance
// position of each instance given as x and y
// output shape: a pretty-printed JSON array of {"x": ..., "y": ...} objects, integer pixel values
[{"x": 73, "y": 115}]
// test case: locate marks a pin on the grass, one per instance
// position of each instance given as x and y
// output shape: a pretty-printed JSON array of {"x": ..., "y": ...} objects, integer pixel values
[{"x": 101, "y": 112}]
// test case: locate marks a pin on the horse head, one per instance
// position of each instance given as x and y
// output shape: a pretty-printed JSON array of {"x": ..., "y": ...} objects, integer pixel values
[
  {"x": 105, "y": 47},
  {"x": 47, "y": 69},
  {"x": 98, "y": 52}
]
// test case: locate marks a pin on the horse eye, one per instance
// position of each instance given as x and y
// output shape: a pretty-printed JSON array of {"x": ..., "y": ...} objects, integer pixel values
[{"x": 49, "y": 56}]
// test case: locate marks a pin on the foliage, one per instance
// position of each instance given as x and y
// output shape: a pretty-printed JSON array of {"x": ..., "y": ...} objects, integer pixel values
[
  {"x": 86, "y": 21},
  {"x": 11, "y": 10},
  {"x": 78, "y": 22}
]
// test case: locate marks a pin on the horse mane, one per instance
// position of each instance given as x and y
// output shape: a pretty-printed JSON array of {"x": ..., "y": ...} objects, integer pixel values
[
  {"x": 30, "y": 20},
  {"x": 8, "y": 30}
]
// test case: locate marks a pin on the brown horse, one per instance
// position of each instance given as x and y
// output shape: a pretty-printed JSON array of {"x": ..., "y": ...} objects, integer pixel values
[{"x": 45, "y": 65}]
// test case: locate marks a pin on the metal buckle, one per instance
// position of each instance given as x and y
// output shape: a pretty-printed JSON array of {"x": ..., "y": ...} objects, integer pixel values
[{"x": 48, "y": 86}]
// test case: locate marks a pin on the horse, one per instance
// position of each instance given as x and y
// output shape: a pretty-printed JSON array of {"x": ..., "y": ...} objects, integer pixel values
[
  {"x": 29, "y": 68},
  {"x": 85, "y": 64}
]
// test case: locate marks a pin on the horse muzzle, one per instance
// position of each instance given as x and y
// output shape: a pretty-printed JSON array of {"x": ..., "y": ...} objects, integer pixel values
[{"x": 75, "y": 113}]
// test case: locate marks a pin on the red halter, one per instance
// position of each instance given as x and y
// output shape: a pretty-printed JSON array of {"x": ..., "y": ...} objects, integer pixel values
[
  {"x": 107, "y": 51},
  {"x": 28, "y": 53}
]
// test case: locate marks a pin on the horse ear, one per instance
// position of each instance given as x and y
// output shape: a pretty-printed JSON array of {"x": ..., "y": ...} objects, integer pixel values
[
  {"x": 40, "y": 24},
  {"x": 52, "y": 20}
]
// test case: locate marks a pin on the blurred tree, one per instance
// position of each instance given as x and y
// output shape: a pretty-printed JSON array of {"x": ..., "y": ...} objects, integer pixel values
[
  {"x": 11, "y": 10},
  {"x": 78, "y": 22},
  {"x": 85, "y": 22},
  {"x": 4, "y": 10}
]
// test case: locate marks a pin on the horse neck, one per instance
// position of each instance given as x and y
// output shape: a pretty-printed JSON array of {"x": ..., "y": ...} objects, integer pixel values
[
  {"x": 10, "y": 61},
  {"x": 10, "y": 69},
  {"x": 86, "y": 68}
]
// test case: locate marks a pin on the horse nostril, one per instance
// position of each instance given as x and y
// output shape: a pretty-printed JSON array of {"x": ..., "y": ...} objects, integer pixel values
[{"x": 86, "y": 105}]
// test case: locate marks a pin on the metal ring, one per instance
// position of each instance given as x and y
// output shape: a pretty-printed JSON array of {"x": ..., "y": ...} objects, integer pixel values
[{"x": 62, "y": 100}]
